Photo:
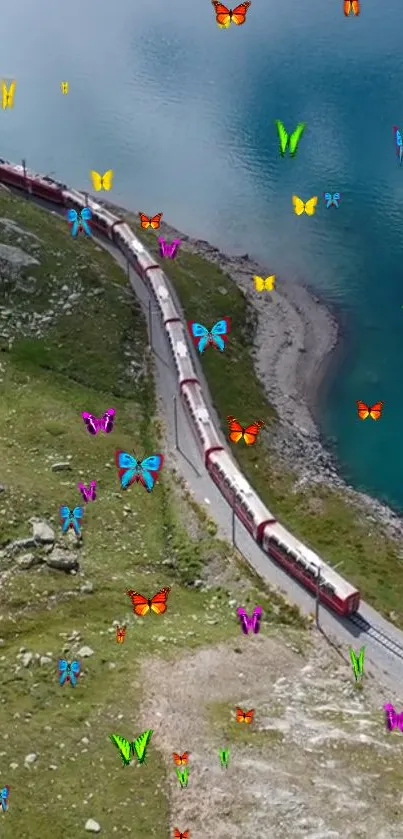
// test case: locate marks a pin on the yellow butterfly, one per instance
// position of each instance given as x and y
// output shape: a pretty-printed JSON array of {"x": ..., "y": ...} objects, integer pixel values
[
  {"x": 308, "y": 208},
  {"x": 264, "y": 285},
  {"x": 64, "y": 87},
  {"x": 102, "y": 181},
  {"x": 7, "y": 96}
]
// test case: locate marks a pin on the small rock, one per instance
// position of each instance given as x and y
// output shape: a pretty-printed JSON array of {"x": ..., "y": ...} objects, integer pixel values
[
  {"x": 92, "y": 826},
  {"x": 63, "y": 560},
  {"x": 42, "y": 532},
  {"x": 45, "y": 659},
  {"x": 59, "y": 467},
  {"x": 87, "y": 588},
  {"x": 27, "y": 561},
  {"x": 26, "y": 659},
  {"x": 21, "y": 545},
  {"x": 13, "y": 765},
  {"x": 2, "y": 488},
  {"x": 29, "y": 759},
  {"x": 85, "y": 652}
]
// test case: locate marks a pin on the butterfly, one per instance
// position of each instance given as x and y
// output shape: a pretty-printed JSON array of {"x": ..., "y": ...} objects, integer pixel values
[
  {"x": 332, "y": 200},
  {"x": 71, "y": 518},
  {"x": 244, "y": 716},
  {"x": 68, "y": 671},
  {"x": 179, "y": 835},
  {"x": 131, "y": 470},
  {"x": 4, "y": 793},
  {"x": 218, "y": 335},
  {"x": 137, "y": 748},
  {"x": 248, "y": 623},
  {"x": 264, "y": 285},
  {"x": 153, "y": 222},
  {"x": 237, "y": 431},
  {"x": 224, "y": 16},
  {"x": 64, "y": 87},
  {"x": 167, "y": 249},
  {"x": 95, "y": 424},
  {"x": 89, "y": 494},
  {"x": 120, "y": 634},
  {"x": 308, "y": 208},
  {"x": 79, "y": 222},
  {"x": 181, "y": 760},
  {"x": 364, "y": 411},
  {"x": 398, "y": 142},
  {"x": 157, "y": 604},
  {"x": 102, "y": 181},
  {"x": 7, "y": 95},
  {"x": 290, "y": 140},
  {"x": 351, "y": 6},
  {"x": 393, "y": 718}
]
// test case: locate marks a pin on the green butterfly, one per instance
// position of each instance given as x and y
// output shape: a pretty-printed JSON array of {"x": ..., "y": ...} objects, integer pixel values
[
  {"x": 137, "y": 748},
  {"x": 290, "y": 140}
]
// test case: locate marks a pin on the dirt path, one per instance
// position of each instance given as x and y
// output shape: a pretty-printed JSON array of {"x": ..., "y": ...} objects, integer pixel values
[{"x": 316, "y": 762}]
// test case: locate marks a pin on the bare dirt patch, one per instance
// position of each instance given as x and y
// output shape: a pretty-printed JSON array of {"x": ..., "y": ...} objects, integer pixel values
[{"x": 316, "y": 762}]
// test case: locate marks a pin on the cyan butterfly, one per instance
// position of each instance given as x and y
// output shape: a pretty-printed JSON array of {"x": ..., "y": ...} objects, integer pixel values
[
  {"x": 68, "y": 671},
  {"x": 217, "y": 336},
  {"x": 131, "y": 470},
  {"x": 332, "y": 200},
  {"x": 71, "y": 518},
  {"x": 79, "y": 221}
]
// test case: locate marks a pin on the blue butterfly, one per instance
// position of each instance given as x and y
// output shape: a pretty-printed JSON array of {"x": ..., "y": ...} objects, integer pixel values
[
  {"x": 70, "y": 518},
  {"x": 398, "y": 142},
  {"x": 4, "y": 793},
  {"x": 332, "y": 200},
  {"x": 130, "y": 470},
  {"x": 68, "y": 671},
  {"x": 217, "y": 336},
  {"x": 79, "y": 222}
]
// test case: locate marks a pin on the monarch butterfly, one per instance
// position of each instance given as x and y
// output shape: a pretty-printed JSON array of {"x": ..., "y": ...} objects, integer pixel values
[
  {"x": 351, "y": 6},
  {"x": 245, "y": 716},
  {"x": 102, "y": 181},
  {"x": 308, "y": 208},
  {"x": 264, "y": 285},
  {"x": 364, "y": 411},
  {"x": 249, "y": 434},
  {"x": 157, "y": 604},
  {"x": 153, "y": 222},
  {"x": 181, "y": 760},
  {"x": 224, "y": 16},
  {"x": 179, "y": 835},
  {"x": 120, "y": 634}
]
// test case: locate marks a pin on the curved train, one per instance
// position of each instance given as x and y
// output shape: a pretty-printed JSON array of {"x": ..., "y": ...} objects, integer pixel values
[{"x": 280, "y": 545}]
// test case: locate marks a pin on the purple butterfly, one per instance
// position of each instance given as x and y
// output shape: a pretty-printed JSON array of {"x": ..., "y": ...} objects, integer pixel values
[
  {"x": 89, "y": 494},
  {"x": 248, "y": 623},
  {"x": 393, "y": 719},
  {"x": 167, "y": 249},
  {"x": 95, "y": 424}
]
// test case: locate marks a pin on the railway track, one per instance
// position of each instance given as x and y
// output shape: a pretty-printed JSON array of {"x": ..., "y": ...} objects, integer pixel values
[{"x": 377, "y": 635}]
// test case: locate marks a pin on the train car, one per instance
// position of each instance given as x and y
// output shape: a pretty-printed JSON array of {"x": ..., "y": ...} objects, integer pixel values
[
  {"x": 241, "y": 497},
  {"x": 12, "y": 175},
  {"x": 180, "y": 352},
  {"x": 205, "y": 432},
  {"x": 301, "y": 562},
  {"x": 45, "y": 188}
]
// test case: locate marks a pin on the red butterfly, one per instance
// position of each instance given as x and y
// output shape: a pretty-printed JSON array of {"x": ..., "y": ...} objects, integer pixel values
[
  {"x": 224, "y": 16},
  {"x": 153, "y": 222},
  {"x": 181, "y": 760},
  {"x": 364, "y": 411},
  {"x": 351, "y": 6},
  {"x": 120, "y": 634},
  {"x": 237, "y": 431},
  {"x": 244, "y": 716},
  {"x": 141, "y": 605},
  {"x": 179, "y": 835}
]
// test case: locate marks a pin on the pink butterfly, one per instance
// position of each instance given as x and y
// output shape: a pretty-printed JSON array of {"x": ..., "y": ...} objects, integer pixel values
[
  {"x": 89, "y": 494},
  {"x": 167, "y": 249},
  {"x": 248, "y": 623},
  {"x": 95, "y": 424}
]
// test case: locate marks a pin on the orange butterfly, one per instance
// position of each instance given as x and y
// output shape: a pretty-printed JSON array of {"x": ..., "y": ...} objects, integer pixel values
[
  {"x": 351, "y": 6},
  {"x": 181, "y": 760},
  {"x": 141, "y": 605},
  {"x": 224, "y": 16},
  {"x": 153, "y": 222},
  {"x": 120, "y": 634},
  {"x": 365, "y": 411},
  {"x": 244, "y": 716},
  {"x": 236, "y": 431},
  {"x": 179, "y": 835}
]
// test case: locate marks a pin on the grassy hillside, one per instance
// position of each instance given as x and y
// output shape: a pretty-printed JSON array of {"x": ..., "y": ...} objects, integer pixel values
[
  {"x": 319, "y": 516},
  {"x": 72, "y": 338}
]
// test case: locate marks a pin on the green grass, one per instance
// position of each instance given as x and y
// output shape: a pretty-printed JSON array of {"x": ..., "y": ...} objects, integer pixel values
[
  {"x": 320, "y": 516},
  {"x": 79, "y": 364}
]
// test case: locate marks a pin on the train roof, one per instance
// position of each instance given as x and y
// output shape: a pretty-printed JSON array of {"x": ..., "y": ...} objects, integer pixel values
[{"x": 244, "y": 489}]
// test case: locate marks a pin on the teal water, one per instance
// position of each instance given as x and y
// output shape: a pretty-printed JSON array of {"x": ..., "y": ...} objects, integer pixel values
[{"x": 183, "y": 112}]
